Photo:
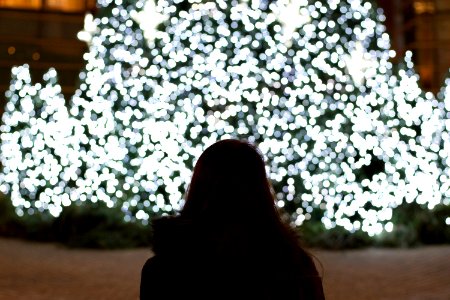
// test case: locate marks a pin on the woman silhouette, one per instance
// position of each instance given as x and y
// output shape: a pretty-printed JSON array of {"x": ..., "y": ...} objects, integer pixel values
[{"x": 229, "y": 241}]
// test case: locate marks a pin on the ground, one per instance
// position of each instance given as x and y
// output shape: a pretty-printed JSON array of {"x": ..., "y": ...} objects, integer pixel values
[{"x": 49, "y": 271}]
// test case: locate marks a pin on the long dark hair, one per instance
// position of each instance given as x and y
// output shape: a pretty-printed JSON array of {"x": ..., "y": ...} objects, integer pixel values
[
  {"x": 230, "y": 179},
  {"x": 230, "y": 189}
]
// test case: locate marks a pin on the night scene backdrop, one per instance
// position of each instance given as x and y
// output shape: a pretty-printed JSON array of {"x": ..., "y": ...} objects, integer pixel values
[{"x": 356, "y": 148}]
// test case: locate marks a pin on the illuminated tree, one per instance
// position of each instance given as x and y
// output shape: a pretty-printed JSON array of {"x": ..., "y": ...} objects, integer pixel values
[
  {"x": 123, "y": 148},
  {"x": 415, "y": 143},
  {"x": 337, "y": 61},
  {"x": 409, "y": 162},
  {"x": 37, "y": 145}
]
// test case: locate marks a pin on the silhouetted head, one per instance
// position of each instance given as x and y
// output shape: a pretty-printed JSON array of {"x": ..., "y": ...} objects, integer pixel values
[{"x": 230, "y": 184}]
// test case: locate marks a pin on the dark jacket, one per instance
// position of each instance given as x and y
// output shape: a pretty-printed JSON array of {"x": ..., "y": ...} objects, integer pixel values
[{"x": 195, "y": 262}]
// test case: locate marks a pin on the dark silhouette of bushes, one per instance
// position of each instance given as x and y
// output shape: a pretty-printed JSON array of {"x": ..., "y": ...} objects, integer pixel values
[
  {"x": 81, "y": 225},
  {"x": 417, "y": 225},
  {"x": 94, "y": 225}
]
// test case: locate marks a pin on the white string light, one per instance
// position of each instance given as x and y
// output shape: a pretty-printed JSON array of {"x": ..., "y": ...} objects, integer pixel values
[{"x": 347, "y": 137}]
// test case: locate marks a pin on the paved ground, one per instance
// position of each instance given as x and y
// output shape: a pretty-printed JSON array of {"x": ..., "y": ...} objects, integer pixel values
[{"x": 47, "y": 271}]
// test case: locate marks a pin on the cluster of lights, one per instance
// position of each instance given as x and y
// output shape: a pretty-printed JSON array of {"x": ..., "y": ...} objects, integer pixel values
[
  {"x": 129, "y": 152},
  {"x": 38, "y": 146},
  {"x": 331, "y": 74},
  {"x": 346, "y": 136}
]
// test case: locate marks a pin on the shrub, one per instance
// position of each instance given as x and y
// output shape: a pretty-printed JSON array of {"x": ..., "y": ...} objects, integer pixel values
[
  {"x": 33, "y": 227},
  {"x": 417, "y": 225},
  {"x": 84, "y": 224},
  {"x": 9, "y": 221},
  {"x": 314, "y": 234},
  {"x": 94, "y": 225}
]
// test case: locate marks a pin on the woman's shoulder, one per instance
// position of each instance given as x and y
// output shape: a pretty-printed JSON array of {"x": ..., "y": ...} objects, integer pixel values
[
  {"x": 153, "y": 267},
  {"x": 152, "y": 263}
]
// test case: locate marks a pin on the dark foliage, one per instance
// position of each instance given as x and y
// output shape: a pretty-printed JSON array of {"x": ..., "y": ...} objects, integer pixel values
[
  {"x": 10, "y": 224},
  {"x": 93, "y": 225},
  {"x": 86, "y": 225},
  {"x": 417, "y": 225},
  {"x": 314, "y": 234}
]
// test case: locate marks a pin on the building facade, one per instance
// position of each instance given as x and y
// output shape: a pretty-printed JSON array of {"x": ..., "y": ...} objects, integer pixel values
[
  {"x": 423, "y": 27},
  {"x": 43, "y": 34}
]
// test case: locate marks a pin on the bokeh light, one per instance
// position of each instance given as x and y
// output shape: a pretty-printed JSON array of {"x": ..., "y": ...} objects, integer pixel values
[{"x": 347, "y": 135}]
